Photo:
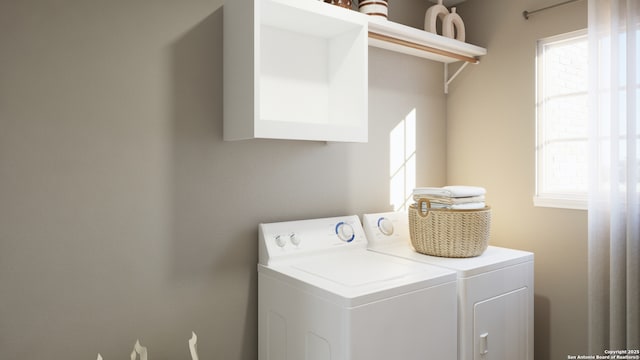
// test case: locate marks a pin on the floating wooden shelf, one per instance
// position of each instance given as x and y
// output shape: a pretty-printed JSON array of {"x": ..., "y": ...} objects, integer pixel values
[{"x": 405, "y": 39}]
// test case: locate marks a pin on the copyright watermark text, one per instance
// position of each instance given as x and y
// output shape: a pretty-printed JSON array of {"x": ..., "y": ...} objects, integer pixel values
[{"x": 628, "y": 354}]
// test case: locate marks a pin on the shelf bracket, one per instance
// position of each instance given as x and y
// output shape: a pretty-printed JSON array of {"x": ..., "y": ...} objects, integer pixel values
[{"x": 448, "y": 80}]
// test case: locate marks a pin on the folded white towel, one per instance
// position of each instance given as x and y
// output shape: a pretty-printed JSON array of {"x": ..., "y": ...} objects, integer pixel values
[
  {"x": 430, "y": 191},
  {"x": 468, "y": 206},
  {"x": 449, "y": 191},
  {"x": 449, "y": 200},
  {"x": 464, "y": 191}
]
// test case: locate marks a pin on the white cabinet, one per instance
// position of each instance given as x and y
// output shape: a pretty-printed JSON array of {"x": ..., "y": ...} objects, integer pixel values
[{"x": 294, "y": 69}]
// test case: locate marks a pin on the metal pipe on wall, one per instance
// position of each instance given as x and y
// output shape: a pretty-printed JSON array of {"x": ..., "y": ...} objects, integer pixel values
[{"x": 526, "y": 13}]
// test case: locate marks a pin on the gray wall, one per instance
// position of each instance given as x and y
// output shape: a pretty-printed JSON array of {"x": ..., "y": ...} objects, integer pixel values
[
  {"x": 491, "y": 142},
  {"x": 124, "y": 215}
]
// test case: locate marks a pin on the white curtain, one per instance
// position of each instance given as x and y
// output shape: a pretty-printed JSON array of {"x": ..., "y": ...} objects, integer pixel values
[{"x": 614, "y": 183}]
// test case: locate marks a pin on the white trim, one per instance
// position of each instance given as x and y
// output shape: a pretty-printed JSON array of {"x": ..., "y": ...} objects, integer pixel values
[
  {"x": 561, "y": 203},
  {"x": 569, "y": 36}
]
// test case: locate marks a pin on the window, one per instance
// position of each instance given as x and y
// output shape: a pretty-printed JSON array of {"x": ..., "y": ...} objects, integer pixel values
[{"x": 562, "y": 121}]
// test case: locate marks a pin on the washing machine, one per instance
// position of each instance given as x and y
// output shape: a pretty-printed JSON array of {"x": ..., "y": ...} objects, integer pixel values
[
  {"x": 495, "y": 291},
  {"x": 323, "y": 296}
]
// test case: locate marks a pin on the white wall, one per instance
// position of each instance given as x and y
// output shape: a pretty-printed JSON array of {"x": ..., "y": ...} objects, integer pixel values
[
  {"x": 123, "y": 214},
  {"x": 490, "y": 142}
]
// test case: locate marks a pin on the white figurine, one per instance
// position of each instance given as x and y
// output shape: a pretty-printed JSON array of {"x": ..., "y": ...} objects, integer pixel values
[
  {"x": 453, "y": 27},
  {"x": 435, "y": 13}
]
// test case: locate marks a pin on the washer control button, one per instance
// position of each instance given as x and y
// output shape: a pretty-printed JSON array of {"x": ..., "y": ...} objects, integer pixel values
[
  {"x": 345, "y": 232},
  {"x": 280, "y": 241},
  {"x": 385, "y": 226},
  {"x": 295, "y": 240}
]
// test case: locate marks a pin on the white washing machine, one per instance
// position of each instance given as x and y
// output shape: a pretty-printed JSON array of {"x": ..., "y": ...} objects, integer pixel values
[
  {"x": 323, "y": 296},
  {"x": 495, "y": 291}
]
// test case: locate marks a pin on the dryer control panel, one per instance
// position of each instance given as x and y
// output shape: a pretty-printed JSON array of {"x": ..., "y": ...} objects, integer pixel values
[
  {"x": 386, "y": 228},
  {"x": 289, "y": 239}
]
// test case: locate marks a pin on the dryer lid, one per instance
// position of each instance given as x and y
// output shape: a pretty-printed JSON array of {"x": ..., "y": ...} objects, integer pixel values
[{"x": 494, "y": 258}]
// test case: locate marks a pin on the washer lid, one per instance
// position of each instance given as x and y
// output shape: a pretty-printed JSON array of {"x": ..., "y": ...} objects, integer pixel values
[
  {"x": 353, "y": 278},
  {"x": 493, "y": 258},
  {"x": 355, "y": 270}
]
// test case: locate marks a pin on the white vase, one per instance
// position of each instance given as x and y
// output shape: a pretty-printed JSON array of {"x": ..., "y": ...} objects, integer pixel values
[
  {"x": 435, "y": 13},
  {"x": 379, "y": 8},
  {"x": 453, "y": 26}
]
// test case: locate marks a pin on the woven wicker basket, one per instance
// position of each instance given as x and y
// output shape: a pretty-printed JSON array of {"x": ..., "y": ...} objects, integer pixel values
[{"x": 449, "y": 233}]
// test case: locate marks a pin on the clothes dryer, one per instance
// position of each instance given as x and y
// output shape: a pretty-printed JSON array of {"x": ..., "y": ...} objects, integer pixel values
[
  {"x": 495, "y": 290},
  {"x": 323, "y": 296}
]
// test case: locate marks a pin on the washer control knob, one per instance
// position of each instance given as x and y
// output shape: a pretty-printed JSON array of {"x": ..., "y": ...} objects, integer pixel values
[
  {"x": 295, "y": 240},
  {"x": 345, "y": 232},
  {"x": 280, "y": 241},
  {"x": 385, "y": 226}
]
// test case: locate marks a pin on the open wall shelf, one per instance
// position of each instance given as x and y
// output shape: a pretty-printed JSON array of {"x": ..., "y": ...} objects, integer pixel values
[
  {"x": 407, "y": 40},
  {"x": 294, "y": 69}
]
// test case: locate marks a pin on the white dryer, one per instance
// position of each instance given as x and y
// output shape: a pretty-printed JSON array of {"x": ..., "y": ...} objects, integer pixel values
[
  {"x": 323, "y": 296},
  {"x": 495, "y": 291}
]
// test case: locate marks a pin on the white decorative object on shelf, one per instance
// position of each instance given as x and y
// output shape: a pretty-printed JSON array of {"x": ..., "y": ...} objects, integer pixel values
[
  {"x": 452, "y": 24},
  {"x": 453, "y": 27},
  {"x": 379, "y": 8},
  {"x": 435, "y": 13}
]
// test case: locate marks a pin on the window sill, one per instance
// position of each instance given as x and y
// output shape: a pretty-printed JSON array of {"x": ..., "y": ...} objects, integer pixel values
[{"x": 560, "y": 203}]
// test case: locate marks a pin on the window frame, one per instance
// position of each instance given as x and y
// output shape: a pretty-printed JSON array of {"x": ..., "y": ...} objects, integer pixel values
[{"x": 578, "y": 201}]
